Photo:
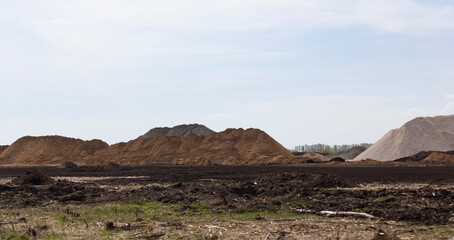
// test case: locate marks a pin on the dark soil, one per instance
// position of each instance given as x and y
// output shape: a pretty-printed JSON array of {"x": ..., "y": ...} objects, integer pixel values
[
  {"x": 180, "y": 173},
  {"x": 33, "y": 177},
  {"x": 311, "y": 191},
  {"x": 418, "y": 157}
]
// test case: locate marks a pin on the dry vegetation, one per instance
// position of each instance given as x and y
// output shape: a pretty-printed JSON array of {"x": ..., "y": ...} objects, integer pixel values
[
  {"x": 157, "y": 220},
  {"x": 152, "y": 220}
]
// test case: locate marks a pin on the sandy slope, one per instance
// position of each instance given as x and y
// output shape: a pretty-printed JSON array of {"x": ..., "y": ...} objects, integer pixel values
[{"x": 419, "y": 134}]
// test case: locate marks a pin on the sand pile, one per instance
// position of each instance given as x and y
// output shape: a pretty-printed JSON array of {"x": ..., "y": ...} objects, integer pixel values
[
  {"x": 180, "y": 130},
  {"x": 49, "y": 150},
  {"x": 419, "y": 134},
  {"x": 349, "y": 154},
  {"x": 230, "y": 147},
  {"x": 34, "y": 177}
]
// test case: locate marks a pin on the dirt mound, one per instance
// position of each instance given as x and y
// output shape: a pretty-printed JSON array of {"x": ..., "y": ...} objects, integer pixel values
[
  {"x": 49, "y": 150},
  {"x": 180, "y": 130},
  {"x": 337, "y": 160},
  {"x": 419, "y": 134},
  {"x": 69, "y": 165},
  {"x": 3, "y": 148},
  {"x": 313, "y": 157},
  {"x": 438, "y": 157},
  {"x": 230, "y": 147},
  {"x": 415, "y": 158},
  {"x": 349, "y": 154},
  {"x": 112, "y": 167},
  {"x": 34, "y": 177},
  {"x": 366, "y": 162}
]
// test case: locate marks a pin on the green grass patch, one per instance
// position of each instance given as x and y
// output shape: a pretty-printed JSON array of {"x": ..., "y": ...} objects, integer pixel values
[{"x": 384, "y": 199}]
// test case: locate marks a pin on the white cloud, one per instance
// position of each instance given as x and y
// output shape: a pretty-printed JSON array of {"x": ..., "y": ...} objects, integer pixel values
[
  {"x": 447, "y": 109},
  {"x": 449, "y": 96},
  {"x": 144, "y": 26}
]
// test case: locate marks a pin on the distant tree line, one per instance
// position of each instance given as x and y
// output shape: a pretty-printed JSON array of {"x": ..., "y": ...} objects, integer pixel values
[{"x": 324, "y": 148}]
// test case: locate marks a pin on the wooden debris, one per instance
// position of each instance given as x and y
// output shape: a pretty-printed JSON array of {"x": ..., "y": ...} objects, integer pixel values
[{"x": 335, "y": 214}]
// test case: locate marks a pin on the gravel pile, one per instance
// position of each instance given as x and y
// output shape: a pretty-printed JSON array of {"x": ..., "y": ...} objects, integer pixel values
[
  {"x": 180, "y": 130},
  {"x": 419, "y": 134}
]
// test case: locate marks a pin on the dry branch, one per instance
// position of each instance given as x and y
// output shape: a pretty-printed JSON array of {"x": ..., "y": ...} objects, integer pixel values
[{"x": 335, "y": 214}]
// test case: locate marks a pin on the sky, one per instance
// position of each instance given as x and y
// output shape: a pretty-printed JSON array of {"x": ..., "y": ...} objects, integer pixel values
[{"x": 305, "y": 72}]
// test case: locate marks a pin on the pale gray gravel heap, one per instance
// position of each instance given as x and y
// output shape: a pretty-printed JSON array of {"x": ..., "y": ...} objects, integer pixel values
[
  {"x": 419, "y": 134},
  {"x": 180, "y": 130}
]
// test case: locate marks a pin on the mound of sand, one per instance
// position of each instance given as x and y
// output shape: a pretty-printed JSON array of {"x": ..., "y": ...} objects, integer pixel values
[
  {"x": 49, "y": 150},
  {"x": 180, "y": 130},
  {"x": 349, "y": 154},
  {"x": 230, "y": 147},
  {"x": 34, "y": 177},
  {"x": 419, "y": 134},
  {"x": 438, "y": 157}
]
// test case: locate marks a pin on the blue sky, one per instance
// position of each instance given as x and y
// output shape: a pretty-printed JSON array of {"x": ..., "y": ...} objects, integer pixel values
[{"x": 334, "y": 72}]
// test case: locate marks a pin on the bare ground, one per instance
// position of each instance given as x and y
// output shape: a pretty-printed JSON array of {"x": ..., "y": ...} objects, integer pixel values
[{"x": 231, "y": 202}]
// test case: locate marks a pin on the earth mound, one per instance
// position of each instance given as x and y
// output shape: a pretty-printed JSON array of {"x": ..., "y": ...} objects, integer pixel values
[
  {"x": 415, "y": 158},
  {"x": 111, "y": 166},
  {"x": 180, "y": 130},
  {"x": 3, "y": 148},
  {"x": 313, "y": 157},
  {"x": 438, "y": 157},
  {"x": 49, "y": 150},
  {"x": 34, "y": 177},
  {"x": 419, "y": 134},
  {"x": 349, "y": 154},
  {"x": 230, "y": 147},
  {"x": 69, "y": 165}
]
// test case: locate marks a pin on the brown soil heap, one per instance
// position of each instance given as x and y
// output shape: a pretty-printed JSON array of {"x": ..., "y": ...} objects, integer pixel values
[
  {"x": 312, "y": 157},
  {"x": 438, "y": 157},
  {"x": 34, "y": 177},
  {"x": 230, "y": 147},
  {"x": 419, "y": 134},
  {"x": 49, "y": 150},
  {"x": 3, "y": 148}
]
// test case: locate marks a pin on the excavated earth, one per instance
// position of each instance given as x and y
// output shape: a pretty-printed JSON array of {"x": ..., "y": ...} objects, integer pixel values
[
  {"x": 230, "y": 147},
  {"x": 247, "y": 188}
]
